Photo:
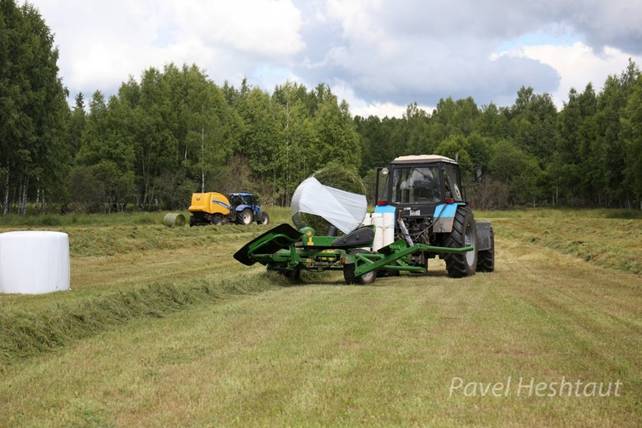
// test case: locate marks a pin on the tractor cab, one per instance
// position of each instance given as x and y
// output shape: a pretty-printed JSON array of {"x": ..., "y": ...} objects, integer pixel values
[
  {"x": 425, "y": 195},
  {"x": 423, "y": 189},
  {"x": 416, "y": 184},
  {"x": 243, "y": 198}
]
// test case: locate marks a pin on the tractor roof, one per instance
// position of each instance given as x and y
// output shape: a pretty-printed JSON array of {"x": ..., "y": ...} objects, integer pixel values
[
  {"x": 422, "y": 159},
  {"x": 242, "y": 193}
]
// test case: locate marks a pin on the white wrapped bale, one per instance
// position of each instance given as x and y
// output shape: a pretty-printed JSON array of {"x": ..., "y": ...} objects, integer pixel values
[{"x": 34, "y": 262}]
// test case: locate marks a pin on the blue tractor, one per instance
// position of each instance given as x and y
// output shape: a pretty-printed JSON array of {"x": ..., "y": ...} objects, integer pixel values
[{"x": 245, "y": 209}]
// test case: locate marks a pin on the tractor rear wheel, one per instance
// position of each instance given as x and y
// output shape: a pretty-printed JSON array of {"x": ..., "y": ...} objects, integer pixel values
[
  {"x": 463, "y": 234},
  {"x": 245, "y": 217},
  {"x": 265, "y": 219},
  {"x": 486, "y": 258}
]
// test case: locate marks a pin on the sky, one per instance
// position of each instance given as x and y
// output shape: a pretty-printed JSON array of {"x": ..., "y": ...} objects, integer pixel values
[{"x": 377, "y": 55}]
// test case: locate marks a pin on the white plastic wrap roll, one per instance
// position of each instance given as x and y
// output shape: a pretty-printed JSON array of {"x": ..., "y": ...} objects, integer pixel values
[
  {"x": 388, "y": 229},
  {"x": 377, "y": 220},
  {"x": 34, "y": 262},
  {"x": 344, "y": 210},
  {"x": 367, "y": 220}
]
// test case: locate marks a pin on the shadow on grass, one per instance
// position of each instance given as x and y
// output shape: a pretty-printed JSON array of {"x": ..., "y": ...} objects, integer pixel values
[{"x": 335, "y": 278}]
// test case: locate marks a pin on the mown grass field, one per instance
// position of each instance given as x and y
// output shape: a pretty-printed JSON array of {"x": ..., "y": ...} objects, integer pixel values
[{"x": 164, "y": 328}]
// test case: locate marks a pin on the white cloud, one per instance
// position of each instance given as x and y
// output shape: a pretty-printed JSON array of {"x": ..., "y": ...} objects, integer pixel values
[
  {"x": 102, "y": 43},
  {"x": 382, "y": 110},
  {"x": 577, "y": 64},
  {"x": 424, "y": 50},
  {"x": 360, "y": 107},
  {"x": 264, "y": 27},
  {"x": 382, "y": 55}
]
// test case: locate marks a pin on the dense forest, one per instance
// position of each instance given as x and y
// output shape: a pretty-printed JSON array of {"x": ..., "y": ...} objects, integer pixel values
[{"x": 174, "y": 131}]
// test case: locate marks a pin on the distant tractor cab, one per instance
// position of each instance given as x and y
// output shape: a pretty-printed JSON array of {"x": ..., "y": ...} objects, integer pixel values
[{"x": 216, "y": 208}]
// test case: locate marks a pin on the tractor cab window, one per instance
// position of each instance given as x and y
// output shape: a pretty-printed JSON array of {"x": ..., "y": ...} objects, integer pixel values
[
  {"x": 415, "y": 184},
  {"x": 236, "y": 200},
  {"x": 451, "y": 183}
]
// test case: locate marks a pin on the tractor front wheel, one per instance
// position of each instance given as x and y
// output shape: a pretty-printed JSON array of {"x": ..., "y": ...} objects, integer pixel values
[
  {"x": 366, "y": 278},
  {"x": 464, "y": 233},
  {"x": 293, "y": 275},
  {"x": 246, "y": 217}
]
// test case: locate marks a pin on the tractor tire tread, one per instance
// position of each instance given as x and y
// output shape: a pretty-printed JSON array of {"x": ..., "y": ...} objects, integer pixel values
[
  {"x": 456, "y": 264},
  {"x": 486, "y": 258}
]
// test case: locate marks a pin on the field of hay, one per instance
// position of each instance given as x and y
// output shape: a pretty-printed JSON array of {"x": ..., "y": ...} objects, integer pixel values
[{"x": 163, "y": 327}]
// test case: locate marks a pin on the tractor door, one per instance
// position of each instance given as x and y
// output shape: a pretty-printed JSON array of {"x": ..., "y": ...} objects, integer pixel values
[{"x": 453, "y": 190}]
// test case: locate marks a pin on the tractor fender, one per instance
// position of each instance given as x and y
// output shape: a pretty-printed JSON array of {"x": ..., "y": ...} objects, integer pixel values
[
  {"x": 484, "y": 235},
  {"x": 256, "y": 210},
  {"x": 444, "y": 216}
]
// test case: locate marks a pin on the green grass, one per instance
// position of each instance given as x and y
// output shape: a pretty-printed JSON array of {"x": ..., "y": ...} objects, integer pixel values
[
  {"x": 123, "y": 271},
  {"x": 328, "y": 354},
  {"x": 173, "y": 268},
  {"x": 95, "y": 220},
  {"x": 107, "y": 235},
  {"x": 608, "y": 238},
  {"x": 79, "y": 219},
  {"x": 164, "y": 328},
  {"x": 563, "y": 212}
]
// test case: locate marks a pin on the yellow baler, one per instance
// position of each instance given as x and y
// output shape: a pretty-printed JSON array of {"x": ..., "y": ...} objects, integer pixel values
[{"x": 209, "y": 208}]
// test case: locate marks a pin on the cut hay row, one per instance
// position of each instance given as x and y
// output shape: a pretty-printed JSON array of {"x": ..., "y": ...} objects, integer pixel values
[
  {"x": 25, "y": 334},
  {"x": 606, "y": 242}
]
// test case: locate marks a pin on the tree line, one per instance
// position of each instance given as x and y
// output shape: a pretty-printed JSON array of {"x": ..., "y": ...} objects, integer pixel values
[
  {"x": 174, "y": 131},
  {"x": 587, "y": 154}
]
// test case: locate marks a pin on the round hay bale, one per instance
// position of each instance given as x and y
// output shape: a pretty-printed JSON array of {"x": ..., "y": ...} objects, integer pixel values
[
  {"x": 174, "y": 220},
  {"x": 337, "y": 176}
]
